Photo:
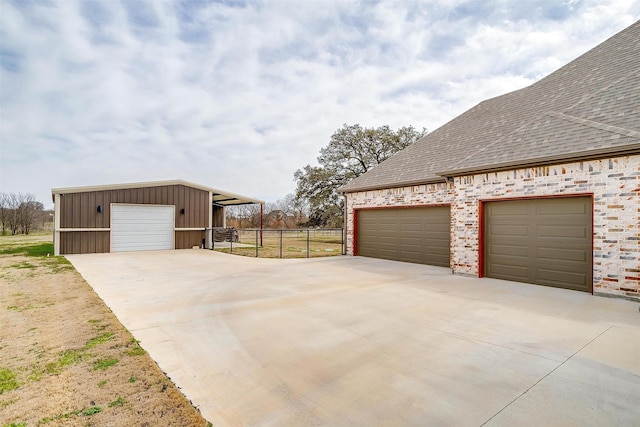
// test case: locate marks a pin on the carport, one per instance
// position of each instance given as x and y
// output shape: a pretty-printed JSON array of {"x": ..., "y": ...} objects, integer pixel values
[
  {"x": 364, "y": 341},
  {"x": 140, "y": 216}
]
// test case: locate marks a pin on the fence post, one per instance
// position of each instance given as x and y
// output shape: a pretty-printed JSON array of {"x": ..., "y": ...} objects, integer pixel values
[
  {"x": 256, "y": 243},
  {"x": 308, "y": 243},
  {"x": 280, "y": 243}
]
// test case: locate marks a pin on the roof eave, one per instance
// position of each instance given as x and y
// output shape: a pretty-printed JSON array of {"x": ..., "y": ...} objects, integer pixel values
[
  {"x": 229, "y": 197},
  {"x": 436, "y": 180},
  {"x": 545, "y": 161}
]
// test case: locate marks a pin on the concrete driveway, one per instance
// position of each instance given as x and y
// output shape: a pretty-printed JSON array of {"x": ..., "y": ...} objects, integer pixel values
[{"x": 360, "y": 341}]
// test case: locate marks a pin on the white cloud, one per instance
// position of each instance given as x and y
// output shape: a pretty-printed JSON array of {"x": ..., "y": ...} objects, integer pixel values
[{"x": 240, "y": 95}]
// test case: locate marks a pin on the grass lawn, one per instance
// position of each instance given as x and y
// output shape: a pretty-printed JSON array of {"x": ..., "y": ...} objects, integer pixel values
[{"x": 65, "y": 358}]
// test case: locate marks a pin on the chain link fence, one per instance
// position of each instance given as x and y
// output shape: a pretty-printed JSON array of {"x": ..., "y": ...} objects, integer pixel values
[{"x": 289, "y": 243}]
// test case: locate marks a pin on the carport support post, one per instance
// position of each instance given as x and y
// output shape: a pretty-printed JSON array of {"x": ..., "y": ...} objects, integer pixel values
[
  {"x": 210, "y": 229},
  {"x": 307, "y": 243},
  {"x": 261, "y": 223},
  {"x": 280, "y": 243}
]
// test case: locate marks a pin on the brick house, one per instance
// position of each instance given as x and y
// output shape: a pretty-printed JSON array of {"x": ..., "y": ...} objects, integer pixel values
[{"x": 540, "y": 185}]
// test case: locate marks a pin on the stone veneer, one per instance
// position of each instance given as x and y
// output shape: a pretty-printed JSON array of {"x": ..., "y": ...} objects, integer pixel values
[{"x": 614, "y": 184}]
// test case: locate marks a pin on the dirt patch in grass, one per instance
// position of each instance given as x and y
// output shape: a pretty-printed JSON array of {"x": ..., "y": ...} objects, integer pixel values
[{"x": 66, "y": 359}]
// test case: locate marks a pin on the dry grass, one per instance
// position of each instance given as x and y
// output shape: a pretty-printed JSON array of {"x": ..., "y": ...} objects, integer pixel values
[
  {"x": 66, "y": 359},
  {"x": 289, "y": 244}
]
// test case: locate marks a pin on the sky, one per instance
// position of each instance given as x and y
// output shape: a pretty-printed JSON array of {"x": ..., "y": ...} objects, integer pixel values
[{"x": 238, "y": 95}]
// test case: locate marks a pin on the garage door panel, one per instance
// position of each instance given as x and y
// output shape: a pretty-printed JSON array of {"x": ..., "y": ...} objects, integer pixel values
[
  {"x": 147, "y": 238},
  {"x": 516, "y": 261},
  {"x": 511, "y": 270},
  {"x": 562, "y": 231},
  {"x": 562, "y": 254},
  {"x": 410, "y": 246},
  {"x": 512, "y": 250},
  {"x": 142, "y": 227},
  {"x": 419, "y": 235},
  {"x": 568, "y": 265},
  {"x": 562, "y": 279},
  {"x": 510, "y": 211},
  {"x": 569, "y": 209},
  {"x": 438, "y": 235},
  {"x": 410, "y": 256},
  {"x": 556, "y": 249},
  {"x": 510, "y": 230},
  {"x": 442, "y": 260},
  {"x": 437, "y": 246},
  {"x": 410, "y": 228}
]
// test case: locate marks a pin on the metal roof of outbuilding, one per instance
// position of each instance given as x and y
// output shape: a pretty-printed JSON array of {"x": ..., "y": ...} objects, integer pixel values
[{"x": 220, "y": 197}]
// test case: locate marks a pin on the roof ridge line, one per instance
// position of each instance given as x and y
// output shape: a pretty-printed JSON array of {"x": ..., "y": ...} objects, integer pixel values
[{"x": 593, "y": 124}]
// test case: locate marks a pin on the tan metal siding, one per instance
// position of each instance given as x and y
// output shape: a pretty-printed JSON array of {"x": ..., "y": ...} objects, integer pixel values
[
  {"x": 80, "y": 210},
  {"x": 188, "y": 239},
  {"x": 218, "y": 216},
  {"x": 541, "y": 241},
  {"x": 194, "y": 202},
  {"x": 420, "y": 235},
  {"x": 84, "y": 242}
]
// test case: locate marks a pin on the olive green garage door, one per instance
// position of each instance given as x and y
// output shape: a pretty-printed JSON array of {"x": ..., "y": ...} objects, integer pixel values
[
  {"x": 419, "y": 235},
  {"x": 541, "y": 241}
]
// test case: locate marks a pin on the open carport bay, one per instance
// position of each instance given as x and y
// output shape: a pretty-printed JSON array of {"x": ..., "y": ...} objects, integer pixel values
[{"x": 362, "y": 341}]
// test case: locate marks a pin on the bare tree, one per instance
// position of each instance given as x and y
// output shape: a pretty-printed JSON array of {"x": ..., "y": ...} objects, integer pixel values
[
  {"x": 243, "y": 216},
  {"x": 10, "y": 217},
  {"x": 19, "y": 212},
  {"x": 288, "y": 212},
  {"x": 28, "y": 211},
  {"x": 3, "y": 212}
]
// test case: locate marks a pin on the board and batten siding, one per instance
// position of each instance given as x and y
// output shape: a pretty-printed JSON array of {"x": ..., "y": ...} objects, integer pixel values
[
  {"x": 79, "y": 212},
  {"x": 188, "y": 239},
  {"x": 84, "y": 242}
]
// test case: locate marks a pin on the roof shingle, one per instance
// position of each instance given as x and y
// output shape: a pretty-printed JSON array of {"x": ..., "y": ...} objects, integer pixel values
[{"x": 588, "y": 108}]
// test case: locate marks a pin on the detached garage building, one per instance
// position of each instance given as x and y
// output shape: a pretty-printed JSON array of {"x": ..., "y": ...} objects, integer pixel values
[
  {"x": 138, "y": 216},
  {"x": 541, "y": 185}
]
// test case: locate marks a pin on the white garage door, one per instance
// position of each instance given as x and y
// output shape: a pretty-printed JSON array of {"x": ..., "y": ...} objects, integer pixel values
[{"x": 141, "y": 227}]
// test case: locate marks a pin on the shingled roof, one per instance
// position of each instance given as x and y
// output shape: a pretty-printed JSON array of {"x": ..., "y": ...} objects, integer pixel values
[{"x": 590, "y": 108}]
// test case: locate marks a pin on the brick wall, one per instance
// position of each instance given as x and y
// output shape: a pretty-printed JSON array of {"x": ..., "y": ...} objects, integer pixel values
[{"x": 614, "y": 183}]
